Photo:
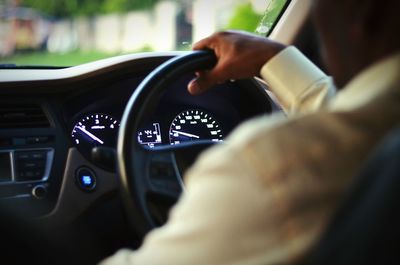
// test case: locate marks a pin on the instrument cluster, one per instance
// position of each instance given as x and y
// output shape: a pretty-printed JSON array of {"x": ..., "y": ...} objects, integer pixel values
[
  {"x": 94, "y": 118},
  {"x": 100, "y": 129}
]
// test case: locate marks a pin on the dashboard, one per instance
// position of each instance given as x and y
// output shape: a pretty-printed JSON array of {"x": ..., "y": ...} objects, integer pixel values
[
  {"x": 51, "y": 119},
  {"x": 93, "y": 118}
]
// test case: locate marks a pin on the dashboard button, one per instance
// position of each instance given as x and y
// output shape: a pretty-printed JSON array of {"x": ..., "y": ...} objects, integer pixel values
[
  {"x": 22, "y": 155},
  {"x": 39, "y": 155},
  {"x": 37, "y": 140},
  {"x": 30, "y": 165},
  {"x": 86, "y": 179}
]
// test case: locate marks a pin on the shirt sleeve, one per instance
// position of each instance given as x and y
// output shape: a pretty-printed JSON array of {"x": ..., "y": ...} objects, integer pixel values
[
  {"x": 299, "y": 85},
  {"x": 227, "y": 216}
]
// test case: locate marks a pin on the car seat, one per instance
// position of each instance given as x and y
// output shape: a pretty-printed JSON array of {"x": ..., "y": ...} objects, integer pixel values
[{"x": 366, "y": 228}]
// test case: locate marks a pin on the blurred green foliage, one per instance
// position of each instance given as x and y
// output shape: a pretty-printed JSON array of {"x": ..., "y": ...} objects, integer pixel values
[
  {"x": 244, "y": 18},
  {"x": 271, "y": 15},
  {"x": 68, "y": 8},
  {"x": 55, "y": 59},
  {"x": 61, "y": 59}
]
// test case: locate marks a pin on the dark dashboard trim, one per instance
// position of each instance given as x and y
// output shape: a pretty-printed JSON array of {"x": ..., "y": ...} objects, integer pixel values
[
  {"x": 72, "y": 201},
  {"x": 14, "y": 81}
]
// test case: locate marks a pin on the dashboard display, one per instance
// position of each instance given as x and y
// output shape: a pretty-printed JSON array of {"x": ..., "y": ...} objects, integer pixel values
[
  {"x": 194, "y": 125},
  {"x": 95, "y": 130},
  {"x": 150, "y": 136}
]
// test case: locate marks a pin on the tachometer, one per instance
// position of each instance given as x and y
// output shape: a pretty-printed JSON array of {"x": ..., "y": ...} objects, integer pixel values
[
  {"x": 95, "y": 130},
  {"x": 194, "y": 125}
]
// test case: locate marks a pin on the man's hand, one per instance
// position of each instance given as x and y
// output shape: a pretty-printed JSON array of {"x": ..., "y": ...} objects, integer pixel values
[{"x": 239, "y": 54}]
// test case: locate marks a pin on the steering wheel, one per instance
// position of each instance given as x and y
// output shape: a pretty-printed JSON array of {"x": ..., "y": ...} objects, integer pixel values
[{"x": 144, "y": 171}]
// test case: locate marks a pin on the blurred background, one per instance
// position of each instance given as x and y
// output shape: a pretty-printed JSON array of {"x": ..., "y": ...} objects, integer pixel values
[{"x": 71, "y": 32}]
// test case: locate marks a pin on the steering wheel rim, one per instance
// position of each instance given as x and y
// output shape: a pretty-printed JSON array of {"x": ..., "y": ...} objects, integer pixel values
[{"x": 142, "y": 102}]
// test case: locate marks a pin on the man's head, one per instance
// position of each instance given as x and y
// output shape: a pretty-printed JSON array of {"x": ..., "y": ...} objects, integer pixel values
[{"x": 356, "y": 33}]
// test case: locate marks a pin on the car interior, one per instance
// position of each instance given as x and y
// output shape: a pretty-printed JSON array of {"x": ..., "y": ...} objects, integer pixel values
[{"x": 92, "y": 157}]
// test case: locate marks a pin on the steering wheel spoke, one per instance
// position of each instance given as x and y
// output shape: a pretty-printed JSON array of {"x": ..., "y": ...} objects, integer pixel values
[
  {"x": 167, "y": 164},
  {"x": 163, "y": 177}
]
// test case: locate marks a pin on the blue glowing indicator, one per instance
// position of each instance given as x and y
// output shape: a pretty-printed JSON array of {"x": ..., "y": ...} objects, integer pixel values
[{"x": 87, "y": 180}]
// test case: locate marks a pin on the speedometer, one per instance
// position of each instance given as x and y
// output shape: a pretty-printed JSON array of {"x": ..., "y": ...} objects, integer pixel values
[
  {"x": 192, "y": 125},
  {"x": 95, "y": 130}
]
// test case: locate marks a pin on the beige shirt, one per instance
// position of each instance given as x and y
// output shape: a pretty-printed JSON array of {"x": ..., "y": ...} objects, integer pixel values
[{"x": 265, "y": 195}]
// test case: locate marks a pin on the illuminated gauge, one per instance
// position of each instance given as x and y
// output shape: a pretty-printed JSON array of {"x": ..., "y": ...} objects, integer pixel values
[
  {"x": 150, "y": 135},
  {"x": 194, "y": 125},
  {"x": 95, "y": 130}
]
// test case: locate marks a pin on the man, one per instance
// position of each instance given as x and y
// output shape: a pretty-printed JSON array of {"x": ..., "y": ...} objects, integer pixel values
[{"x": 265, "y": 196}]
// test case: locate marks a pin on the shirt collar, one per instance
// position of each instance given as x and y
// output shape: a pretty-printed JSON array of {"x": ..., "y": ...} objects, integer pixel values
[{"x": 366, "y": 86}]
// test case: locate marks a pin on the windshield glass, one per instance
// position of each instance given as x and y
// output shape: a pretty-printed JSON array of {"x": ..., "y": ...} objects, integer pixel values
[{"x": 71, "y": 32}]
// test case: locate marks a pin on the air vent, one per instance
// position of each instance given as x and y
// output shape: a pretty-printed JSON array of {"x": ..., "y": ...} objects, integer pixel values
[{"x": 22, "y": 116}]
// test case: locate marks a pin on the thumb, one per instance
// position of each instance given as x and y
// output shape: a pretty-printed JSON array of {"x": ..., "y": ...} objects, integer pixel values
[{"x": 203, "y": 81}]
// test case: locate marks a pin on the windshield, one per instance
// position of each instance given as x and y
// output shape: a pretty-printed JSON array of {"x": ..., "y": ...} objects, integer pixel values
[{"x": 71, "y": 32}]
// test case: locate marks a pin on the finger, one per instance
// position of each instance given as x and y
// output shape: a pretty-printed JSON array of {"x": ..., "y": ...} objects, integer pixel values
[
  {"x": 199, "y": 85},
  {"x": 203, "y": 44},
  {"x": 193, "y": 87},
  {"x": 204, "y": 81}
]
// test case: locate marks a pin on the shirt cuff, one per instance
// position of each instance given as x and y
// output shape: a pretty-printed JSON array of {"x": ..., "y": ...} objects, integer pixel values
[{"x": 289, "y": 74}]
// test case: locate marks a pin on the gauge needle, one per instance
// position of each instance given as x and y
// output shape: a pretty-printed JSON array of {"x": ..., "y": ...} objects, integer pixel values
[
  {"x": 91, "y": 135},
  {"x": 187, "y": 134}
]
